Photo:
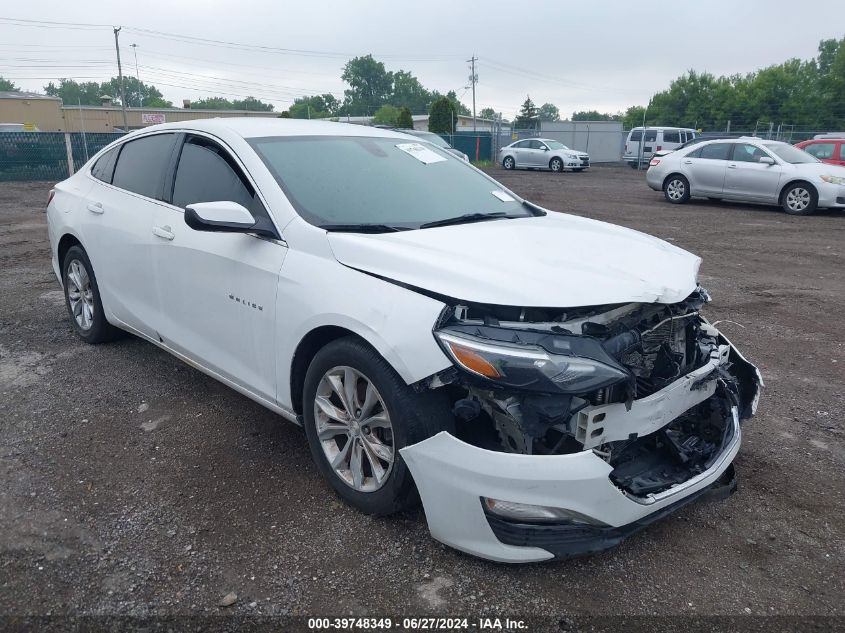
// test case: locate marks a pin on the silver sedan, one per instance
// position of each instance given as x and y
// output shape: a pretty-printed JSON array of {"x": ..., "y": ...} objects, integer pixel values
[
  {"x": 749, "y": 169},
  {"x": 542, "y": 153}
]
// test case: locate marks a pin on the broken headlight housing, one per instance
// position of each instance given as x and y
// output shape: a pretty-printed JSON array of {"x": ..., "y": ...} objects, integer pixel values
[{"x": 532, "y": 361}]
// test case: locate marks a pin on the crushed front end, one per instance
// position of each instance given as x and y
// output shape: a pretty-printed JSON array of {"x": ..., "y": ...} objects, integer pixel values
[{"x": 574, "y": 428}]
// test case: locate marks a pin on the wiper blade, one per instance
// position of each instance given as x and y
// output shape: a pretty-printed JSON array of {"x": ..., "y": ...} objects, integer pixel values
[
  {"x": 362, "y": 228},
  {"x": 466, "y": 219}
]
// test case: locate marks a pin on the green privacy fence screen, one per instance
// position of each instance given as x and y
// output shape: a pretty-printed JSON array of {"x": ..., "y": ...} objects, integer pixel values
[{"x": 47, "y": 155}]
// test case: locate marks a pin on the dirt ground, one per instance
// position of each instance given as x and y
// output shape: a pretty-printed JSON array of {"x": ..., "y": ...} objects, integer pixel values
[{"x": 132, "y": 484}]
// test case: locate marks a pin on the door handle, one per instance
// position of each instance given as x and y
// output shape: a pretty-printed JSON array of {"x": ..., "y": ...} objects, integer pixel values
[
  {"x": 731, "y": 166},
  {"x": 687, "y": 162},
  {"x": 163, "y": 232},
  {"x": 95, "y": 207}
]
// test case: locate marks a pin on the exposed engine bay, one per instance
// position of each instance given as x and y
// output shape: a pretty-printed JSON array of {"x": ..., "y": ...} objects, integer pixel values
[{"x": 653, "y": 389}]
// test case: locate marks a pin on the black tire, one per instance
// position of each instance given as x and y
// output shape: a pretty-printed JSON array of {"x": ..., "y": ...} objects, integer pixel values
[
  {"x": 414, "y": 417},
  {"x": 556, "y": 164},
  {"x": 99, "y": 330},
  {"x": 799, "y": 198},
  {"x": 633, "y": 165},
  {"x": 509, "y": 163},
  {"x": 676, "y": 189}
]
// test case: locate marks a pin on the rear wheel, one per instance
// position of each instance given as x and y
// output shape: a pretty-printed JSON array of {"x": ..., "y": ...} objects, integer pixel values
[
  {"x": 508, "y": 163},
  {"x": 82, "y": 298},
  {"x": 676, "y": 189},
  {"x": 799, "y": 198},
  {"x": 358, "y": 414},
  {"x": 556, "y": 164}
]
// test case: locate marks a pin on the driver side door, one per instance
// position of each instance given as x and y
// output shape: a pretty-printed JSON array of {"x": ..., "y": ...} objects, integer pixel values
[{"x": 217, "y": 291}]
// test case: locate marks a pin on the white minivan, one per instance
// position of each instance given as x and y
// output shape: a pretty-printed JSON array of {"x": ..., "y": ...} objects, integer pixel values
[{"x": 656, "y": 139}]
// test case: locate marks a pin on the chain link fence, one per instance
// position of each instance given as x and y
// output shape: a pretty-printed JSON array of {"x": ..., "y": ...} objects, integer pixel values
[{"x": 47, "y": 155}]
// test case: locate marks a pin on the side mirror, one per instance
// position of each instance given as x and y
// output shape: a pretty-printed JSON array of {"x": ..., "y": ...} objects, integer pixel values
[
  {"x": 545, "y": 149},
  {"x": 767, "y": 160},
  {"x": 220, "y": 217}
]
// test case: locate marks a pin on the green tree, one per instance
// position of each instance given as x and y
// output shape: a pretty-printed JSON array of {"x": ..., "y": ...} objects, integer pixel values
[
  {"x": 317, "y": 107},
  {"x": 548, "y": 112},
  {"x": 528, "y": 116},
  {"x": 219, "y": 103},
  {"x": 488, "y": 113},
  {"x": 8, "y": 86},
  {"x": 460, "y": 108},
  {"x": 408, "y": 92},
  {"x": 405, "y": 120},
  {"x": 442, "y": 116},
  {"x": 371, "y": 86},
  {"x": 595, "y": 115},
  {"x": 387, "y": 115},
  {"x": 137, "y": 93},
  {"x": 72, "y": 92}
]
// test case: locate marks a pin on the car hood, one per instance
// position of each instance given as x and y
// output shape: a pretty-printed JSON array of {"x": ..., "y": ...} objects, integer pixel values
[
  {"x": 557, "y": 260},
  {"x": 819, "y": 169}
]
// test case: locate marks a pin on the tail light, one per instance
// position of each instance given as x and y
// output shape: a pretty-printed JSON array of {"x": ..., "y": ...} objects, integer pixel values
[
  {"x": 654, "y": 162},
  {"x": 50, "y": 196},
  {"x": 659, "y": 147},
  {"x": 626, "y": 148}
]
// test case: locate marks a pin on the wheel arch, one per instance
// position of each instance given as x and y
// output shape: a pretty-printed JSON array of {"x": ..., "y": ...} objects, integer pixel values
[
  {"x": 792, "y": 182},
  {"x": 672, "y": 175},
  {"x": 67, "y": 241},
  {"x": 560, "y": 158}
]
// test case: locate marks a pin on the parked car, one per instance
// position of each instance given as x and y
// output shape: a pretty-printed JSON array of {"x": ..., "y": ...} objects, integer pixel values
[
  {"x": 749, "y": 169},
  {"x": 828, "y": 149},
  {"x": 542, "y": 153},
  {"x": 654, "y": 139},
  {"x": 436, "y": 139},
  {"x": 421, "y": 321}
]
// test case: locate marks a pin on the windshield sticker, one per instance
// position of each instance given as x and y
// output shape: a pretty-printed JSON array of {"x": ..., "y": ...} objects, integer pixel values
[
  {"x": 501, "y": 195},
  {"x": 420, "y": 152}
]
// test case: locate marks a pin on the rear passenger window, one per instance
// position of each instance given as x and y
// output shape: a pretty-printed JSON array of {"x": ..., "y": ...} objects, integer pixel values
[
  {"x": 650, "y": 136},
  {"x": 142, "y": 163},
  {"x": 104, "y": 167},
  {"x": 671, "y": 137},
  {"x": 206, "y": 174},
  {"x": 715, "y": 151}
]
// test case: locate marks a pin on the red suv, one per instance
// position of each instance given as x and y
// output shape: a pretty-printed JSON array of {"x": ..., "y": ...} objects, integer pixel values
[{"x": 827, "y": 150}]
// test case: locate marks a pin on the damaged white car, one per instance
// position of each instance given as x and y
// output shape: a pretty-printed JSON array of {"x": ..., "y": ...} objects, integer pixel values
[{"x": 545, "y": 384}]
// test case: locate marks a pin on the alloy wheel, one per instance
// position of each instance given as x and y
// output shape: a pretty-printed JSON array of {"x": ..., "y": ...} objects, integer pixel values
[
  {"x": 676, "y": 189},
  {"x": 80, "y": 295},
  {"x": 557, "y": 165},
  {"x": 354, "y": 429},
  {"x": 798, "y": 199}
]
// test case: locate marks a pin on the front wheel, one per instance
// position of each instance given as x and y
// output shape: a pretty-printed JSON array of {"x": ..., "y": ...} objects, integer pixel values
[
  {"x": 508, "y": 163},
  {"x": 556, "y": 165},
  {"x": 676, "y": 189},
  {"x": 358, "y": 414},
  {"x": 800, "y": 198},
  {"x": 82, "y": 298}
]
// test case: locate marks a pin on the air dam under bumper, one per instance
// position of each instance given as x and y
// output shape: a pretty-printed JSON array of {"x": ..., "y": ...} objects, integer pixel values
[{"x": 452, "y": 476}]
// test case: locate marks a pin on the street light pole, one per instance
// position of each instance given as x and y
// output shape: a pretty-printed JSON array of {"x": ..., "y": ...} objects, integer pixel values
[
  {"x": 137, "y": 76},
  {"x": 120, "y": 77},
  {"x": 474, "y": 79}
]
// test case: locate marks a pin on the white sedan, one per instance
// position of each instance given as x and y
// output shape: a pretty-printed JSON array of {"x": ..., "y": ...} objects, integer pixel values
[
  {"x": 542, "y": 153},
  {"x": 422, "y": 323}
]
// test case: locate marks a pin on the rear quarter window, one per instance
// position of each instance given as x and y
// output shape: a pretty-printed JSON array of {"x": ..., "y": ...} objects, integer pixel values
[
  {"x": 142, "y": 163},
  {"x": 103, "y": 169}
]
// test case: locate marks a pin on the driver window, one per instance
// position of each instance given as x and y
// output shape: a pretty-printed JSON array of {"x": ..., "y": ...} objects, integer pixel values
[{"x": 745, "y": 153}]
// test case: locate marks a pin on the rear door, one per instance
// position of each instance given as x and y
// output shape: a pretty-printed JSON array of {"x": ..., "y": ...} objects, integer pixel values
[
  {"x": 705, "y": 168},
  {"x": 748, "y": 179},
  {"x": 118, "y": 222},
  {"x": 217, "y": 291},
  {"x": 519, "y": 153}
]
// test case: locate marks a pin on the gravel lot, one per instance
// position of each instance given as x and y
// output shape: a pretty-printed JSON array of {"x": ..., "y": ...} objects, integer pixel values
[{"x": 133, "y": 484}]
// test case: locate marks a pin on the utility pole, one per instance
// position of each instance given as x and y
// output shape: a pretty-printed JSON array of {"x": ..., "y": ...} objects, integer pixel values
[
  {"x": 474, "y": 79},
  {"x": 137, "y": 76},
  {"x": 120, "y": 76}
]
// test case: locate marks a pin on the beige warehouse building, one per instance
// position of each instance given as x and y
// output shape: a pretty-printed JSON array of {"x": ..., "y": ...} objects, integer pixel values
[{"x": 48, "y": 114}]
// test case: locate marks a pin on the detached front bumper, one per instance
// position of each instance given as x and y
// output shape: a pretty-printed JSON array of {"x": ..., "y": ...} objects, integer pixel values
[{"x": 453, "y": 476}]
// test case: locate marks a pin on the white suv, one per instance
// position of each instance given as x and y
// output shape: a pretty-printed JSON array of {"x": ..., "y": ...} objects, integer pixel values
[{"x": 423, "y": 323}]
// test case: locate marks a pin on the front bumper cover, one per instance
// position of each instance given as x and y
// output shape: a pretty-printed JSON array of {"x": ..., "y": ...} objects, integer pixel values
[{"x": 452, "y": 476}]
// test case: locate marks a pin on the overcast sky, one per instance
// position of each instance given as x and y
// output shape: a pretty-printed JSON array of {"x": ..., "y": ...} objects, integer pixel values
[{"x": 597, "y": 55}]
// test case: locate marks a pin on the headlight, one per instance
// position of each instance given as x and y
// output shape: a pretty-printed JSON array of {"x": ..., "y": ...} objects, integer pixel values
[
  {"x": 833, "y": 180},
  {"x": 530, "y": 366}
]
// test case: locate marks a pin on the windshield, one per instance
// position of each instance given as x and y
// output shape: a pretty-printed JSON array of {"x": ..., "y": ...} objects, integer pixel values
[
  {"x": 431, "y": 137},
  {"x": 555, "y": 145},
  {"x": 790, "y": 154},
  {"x": 351, "y": 180}
]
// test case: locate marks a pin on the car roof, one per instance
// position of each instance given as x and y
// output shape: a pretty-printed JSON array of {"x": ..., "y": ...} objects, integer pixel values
[{"x": 256, "y": 127}]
